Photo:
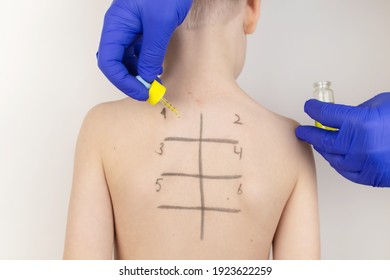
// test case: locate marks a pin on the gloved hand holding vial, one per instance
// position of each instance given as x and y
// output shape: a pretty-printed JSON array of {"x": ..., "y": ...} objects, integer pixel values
[{"x": 360, "y": 149}]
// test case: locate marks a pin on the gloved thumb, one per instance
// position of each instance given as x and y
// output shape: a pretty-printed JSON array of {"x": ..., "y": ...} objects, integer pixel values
[
  {"x": 152, "y": 54},
  {"x": 332, "y": 115}
]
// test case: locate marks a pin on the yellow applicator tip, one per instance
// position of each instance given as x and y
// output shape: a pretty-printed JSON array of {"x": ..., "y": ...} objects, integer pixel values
[{"x": 170, "y": 107}]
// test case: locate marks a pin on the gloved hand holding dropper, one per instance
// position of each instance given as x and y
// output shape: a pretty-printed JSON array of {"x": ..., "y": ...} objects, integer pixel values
[
  {"x": 134, "y": 41},
  {"x": 360, "y": 149}
]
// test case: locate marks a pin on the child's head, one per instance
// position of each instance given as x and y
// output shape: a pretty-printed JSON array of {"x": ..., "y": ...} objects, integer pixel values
[
  {"x": 211, "y": 12},
  {"x": 205, "y": 13},
  {"x": 213, "y": 37}
]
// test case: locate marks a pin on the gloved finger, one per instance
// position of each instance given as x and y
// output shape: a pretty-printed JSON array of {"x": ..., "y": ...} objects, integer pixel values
[
  {"x": 356, "y": 170},
  {"x": 352, "y": 176},
  {"x": 138, "y": 46},
  {"x": 363, "y": 178},
  {"x": 332, "y": 115},
  {"x": 114, "y": 40},
  {"x": 377, "y": 101},
  {"x": 137, "y": 50},
  {"x": 155, "y": 44},
  {"x": 328, "y": 156},
  {"x": 130, "y": 60},
  {"x": 373, "y": 173},
  {"x": 343, "y": 163},
  {"x": 320, "y": 138},
  {"x": 113, "y": 68},
  {"x": 158, "y": 30},
  {"x": 357, "y": 177}
]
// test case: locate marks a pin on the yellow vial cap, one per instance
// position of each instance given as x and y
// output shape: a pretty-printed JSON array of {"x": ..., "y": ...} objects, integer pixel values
[{"x": 156, "y": 93}]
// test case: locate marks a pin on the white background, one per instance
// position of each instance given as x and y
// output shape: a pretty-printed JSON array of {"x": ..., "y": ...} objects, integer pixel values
[{"x": 49, "y": 80}]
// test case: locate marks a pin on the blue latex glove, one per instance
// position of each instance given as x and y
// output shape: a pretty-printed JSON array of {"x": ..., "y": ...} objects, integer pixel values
[
  {"x": 134, "y": 40},
  {"x": 360, "y": 150}
]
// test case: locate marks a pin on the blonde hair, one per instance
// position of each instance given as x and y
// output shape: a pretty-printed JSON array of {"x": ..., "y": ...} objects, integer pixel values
[{"x": 211, "y": 12}]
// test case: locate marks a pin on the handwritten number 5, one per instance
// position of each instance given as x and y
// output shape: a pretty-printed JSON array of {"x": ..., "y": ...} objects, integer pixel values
[{"x": 158, "y": 185}]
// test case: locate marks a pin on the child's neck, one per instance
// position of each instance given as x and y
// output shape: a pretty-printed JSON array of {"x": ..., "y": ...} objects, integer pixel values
[{"x": 204, "y": 62}]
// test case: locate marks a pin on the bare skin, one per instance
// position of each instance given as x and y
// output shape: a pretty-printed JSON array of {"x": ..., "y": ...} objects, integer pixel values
[{"x": 228, "y": 180}]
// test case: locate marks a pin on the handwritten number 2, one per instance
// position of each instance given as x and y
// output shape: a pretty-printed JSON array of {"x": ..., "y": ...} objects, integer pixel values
[{"x": 238, "y": 121}]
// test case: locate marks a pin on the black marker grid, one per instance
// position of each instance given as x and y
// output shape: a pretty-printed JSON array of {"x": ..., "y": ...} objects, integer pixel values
[{"x": 201, "y": 176}]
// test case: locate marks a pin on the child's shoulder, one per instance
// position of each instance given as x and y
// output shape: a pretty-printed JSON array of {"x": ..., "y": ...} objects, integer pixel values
[
  {"x": 121, "y": 106},
  {"x": 104, "y": 118},
  {"x": 300, "y": 153},
  {"x": 117, "y": 111},
  {"x": 269, "y": 120},
  {"x": 280, "y": 129}
]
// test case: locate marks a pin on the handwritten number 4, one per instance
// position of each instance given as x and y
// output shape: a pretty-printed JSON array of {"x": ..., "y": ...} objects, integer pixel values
[{"x": 238, "y": 151}]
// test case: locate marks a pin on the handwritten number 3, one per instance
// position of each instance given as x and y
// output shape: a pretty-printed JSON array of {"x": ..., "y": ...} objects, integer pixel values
[{"x": 161, "y": 152}]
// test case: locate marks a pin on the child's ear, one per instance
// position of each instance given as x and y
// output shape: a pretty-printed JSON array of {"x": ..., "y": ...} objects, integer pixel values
[{"x": 252, "y": 13}]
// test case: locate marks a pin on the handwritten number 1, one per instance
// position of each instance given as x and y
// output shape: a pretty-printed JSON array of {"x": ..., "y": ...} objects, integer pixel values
[{"x": 164, "y": 113}]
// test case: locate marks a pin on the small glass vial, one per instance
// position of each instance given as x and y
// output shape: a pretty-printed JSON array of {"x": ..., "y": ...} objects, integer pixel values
[{"x": 324, "y": 93}]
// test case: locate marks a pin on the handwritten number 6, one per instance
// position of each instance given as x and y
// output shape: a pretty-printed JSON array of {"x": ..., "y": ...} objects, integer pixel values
[{"x": 240, "y": 191}]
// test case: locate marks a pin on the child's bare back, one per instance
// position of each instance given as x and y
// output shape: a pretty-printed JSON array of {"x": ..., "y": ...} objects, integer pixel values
[
  {"x": 211, "y": 185},
  {"x": 228, "y": 180}
]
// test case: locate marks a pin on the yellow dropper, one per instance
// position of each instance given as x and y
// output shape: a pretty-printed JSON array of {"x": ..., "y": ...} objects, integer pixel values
[
  {"x": 165, "y": 102},
  {"x": 156, "y": 95}
]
